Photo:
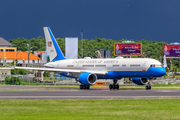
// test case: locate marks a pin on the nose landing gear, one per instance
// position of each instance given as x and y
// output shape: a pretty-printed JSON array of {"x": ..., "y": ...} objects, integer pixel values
[{"x": 148, "y": 86}]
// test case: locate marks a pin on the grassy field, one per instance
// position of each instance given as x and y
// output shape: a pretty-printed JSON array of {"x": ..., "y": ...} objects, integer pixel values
[{"x": 74, "y": 109}]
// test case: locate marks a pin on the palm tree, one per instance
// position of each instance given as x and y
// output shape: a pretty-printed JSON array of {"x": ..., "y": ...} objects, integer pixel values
[{"x": 29, "y": 49}]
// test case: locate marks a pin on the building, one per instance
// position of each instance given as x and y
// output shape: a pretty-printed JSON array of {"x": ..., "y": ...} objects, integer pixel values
[
  {"x": 10, "y": 53},
  {"x": 4, "y": 71},
  {"x": 42, "y": 55},
  {"x": 39, "y": 53},
  {"x": 6, "y": 46},
  {"x": 22, "y": 58}
]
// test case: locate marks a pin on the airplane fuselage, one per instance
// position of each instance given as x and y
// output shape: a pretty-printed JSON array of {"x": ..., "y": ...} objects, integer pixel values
[{"x": 115, "y": 67}]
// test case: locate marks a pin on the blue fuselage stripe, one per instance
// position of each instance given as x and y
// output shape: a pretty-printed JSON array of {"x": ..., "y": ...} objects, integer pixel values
[{"x": 152, "y": 72}]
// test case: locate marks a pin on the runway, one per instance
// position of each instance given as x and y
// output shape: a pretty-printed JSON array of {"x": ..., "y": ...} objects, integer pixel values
[{"x": 90, "y": 94}]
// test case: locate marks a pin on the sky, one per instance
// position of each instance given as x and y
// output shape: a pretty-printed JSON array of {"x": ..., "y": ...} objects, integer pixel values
[{"x": 156, "y": 20}]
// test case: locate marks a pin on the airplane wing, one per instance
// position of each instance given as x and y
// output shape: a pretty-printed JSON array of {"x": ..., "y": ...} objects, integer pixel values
[{"x": 63, "y": 70}]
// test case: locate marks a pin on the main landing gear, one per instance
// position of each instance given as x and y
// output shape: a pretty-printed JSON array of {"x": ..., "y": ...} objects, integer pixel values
[
  {"x": 84, "y": 86},
  {"x": 148, "y": 86},
  {"x": 114, "y": 85}
]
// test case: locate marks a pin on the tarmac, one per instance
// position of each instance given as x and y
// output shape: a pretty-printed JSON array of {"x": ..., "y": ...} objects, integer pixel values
[{"x": 75, "y": 93}]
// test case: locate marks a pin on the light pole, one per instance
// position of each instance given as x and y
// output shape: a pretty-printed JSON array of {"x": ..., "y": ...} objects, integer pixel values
[{"x": 82, "y": 42}]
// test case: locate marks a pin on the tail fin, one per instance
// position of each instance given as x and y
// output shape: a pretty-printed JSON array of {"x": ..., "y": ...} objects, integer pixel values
[{"x": 54, "y": 52}]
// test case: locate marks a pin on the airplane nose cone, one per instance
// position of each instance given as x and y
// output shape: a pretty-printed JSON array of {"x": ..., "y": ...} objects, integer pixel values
[{"x": 162, "y": 71}]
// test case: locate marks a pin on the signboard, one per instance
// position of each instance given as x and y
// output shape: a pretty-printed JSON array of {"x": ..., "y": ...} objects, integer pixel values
[
  {"x": 172, "y": 50},
  {"x": 71, "y": 47},
  {"x": 127, "y": 49}
]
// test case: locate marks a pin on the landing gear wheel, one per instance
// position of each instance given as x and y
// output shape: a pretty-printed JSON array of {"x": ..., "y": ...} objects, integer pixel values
[
  {"x": 81, "y": 86},
  {"x": 87, "y": 86},
  {"x": 117, "y": 87},
  {"x": 113, "y": 86},
  {"x": 148, "y": 87},
  {"x": 84, "y": 86},
  {"x": 110, "y": 86}
]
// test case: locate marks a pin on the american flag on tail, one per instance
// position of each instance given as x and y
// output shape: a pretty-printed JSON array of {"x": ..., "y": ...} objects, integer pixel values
[{"x": 49, "y": 44}]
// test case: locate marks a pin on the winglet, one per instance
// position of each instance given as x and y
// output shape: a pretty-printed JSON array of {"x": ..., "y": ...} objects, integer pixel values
[{"x": 54, "y": 52}]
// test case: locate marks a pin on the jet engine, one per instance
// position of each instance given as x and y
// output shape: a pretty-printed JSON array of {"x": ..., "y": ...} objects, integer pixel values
[
  {"x": 139, "y": 81},
  {"x": 87, "y": 78}
]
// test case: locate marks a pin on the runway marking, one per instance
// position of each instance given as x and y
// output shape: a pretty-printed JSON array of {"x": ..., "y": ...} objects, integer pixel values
[{"x": 168, "y": 91}]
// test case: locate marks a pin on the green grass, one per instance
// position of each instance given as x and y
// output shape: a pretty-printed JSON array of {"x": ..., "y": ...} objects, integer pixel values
[
  {"x": 52, "y": 78},
  {"x": 74, "y": 109},
  {"x": 177, "y": 76}
]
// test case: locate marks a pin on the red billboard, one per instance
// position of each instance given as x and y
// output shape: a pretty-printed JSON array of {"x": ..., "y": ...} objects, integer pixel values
[
  {"x": 172, "y": 50},
  {"x": 127, "y": 49}
]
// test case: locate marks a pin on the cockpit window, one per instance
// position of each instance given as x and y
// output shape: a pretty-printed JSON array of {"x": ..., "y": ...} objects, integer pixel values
[
  {"x": 156, "y": 66},
  {"x": 152, "y": 66}
]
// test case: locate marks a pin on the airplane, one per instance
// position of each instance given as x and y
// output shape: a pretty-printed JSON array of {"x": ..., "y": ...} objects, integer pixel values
[{"x": 87, "y": 71}]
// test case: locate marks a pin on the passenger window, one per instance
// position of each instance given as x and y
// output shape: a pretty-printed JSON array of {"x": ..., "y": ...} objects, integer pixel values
[{"x": 123, "y": 65}]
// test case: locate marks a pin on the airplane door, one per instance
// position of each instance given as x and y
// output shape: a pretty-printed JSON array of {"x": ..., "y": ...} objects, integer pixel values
[
  {"x": 144, "y": 66},
  {"x": 78, "y": 65}
]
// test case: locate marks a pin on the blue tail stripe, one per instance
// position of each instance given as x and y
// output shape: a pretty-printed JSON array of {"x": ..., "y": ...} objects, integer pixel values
[{"x": 60, "y": 55}]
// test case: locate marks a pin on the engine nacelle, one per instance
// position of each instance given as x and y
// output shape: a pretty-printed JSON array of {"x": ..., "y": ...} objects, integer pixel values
[
  {"x": 87, "y": 78},
  {"x": 140, "y": 81}
]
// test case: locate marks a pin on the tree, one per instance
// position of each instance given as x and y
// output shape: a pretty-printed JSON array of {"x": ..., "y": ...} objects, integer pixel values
[
  {"x": 152, "y": 49},
  {"x": 12, "y": 63},
  {"x": 46, "y": 74}
]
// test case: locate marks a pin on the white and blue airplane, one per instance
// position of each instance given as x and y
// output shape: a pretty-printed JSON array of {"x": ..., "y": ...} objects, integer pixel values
[{"x": 87, "y": 71}]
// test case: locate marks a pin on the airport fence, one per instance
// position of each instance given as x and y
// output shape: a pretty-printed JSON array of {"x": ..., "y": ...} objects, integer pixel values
[{"x": 30, "y": 79}]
